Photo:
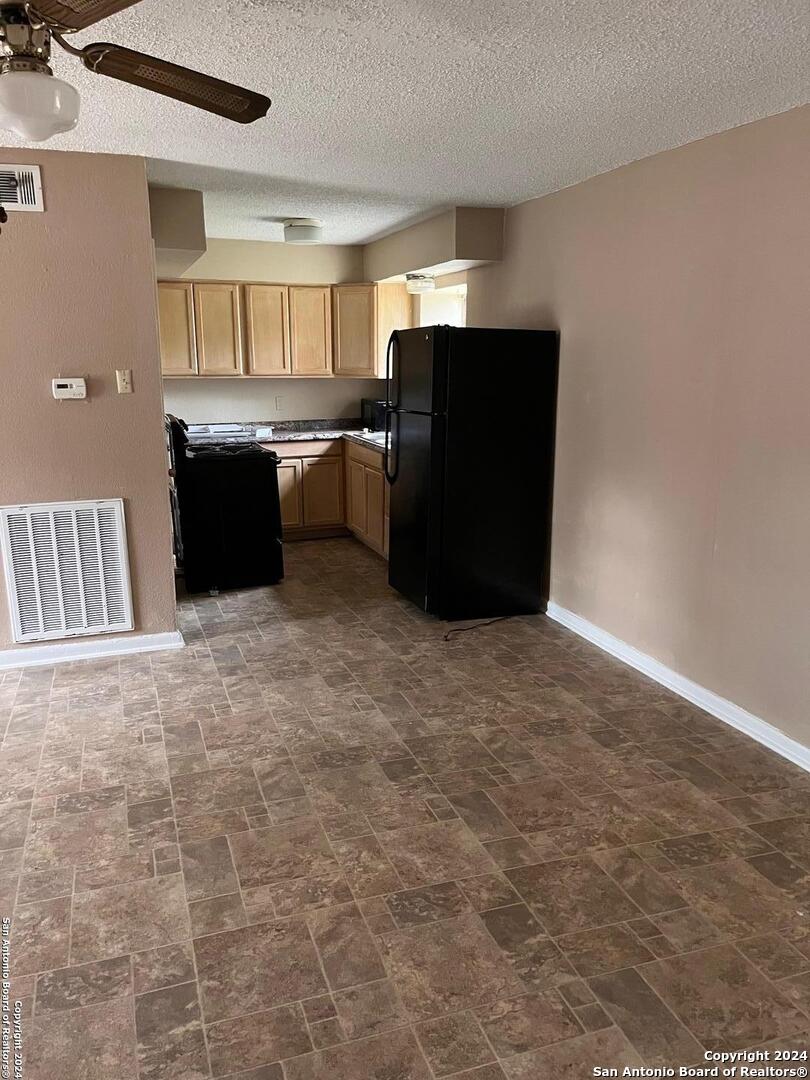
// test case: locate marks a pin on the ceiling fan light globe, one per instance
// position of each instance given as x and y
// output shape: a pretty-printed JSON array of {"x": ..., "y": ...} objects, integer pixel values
[{"x": 37, "y": 106}]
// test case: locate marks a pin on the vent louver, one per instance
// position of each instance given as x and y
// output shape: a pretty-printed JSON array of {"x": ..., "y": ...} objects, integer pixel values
[
  {"x": 66, "y": 569},
  {"x": 21, "y": 188}
]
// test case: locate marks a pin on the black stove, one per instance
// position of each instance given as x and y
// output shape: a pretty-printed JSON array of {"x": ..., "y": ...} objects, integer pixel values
[{"x": 227, "y": 513}]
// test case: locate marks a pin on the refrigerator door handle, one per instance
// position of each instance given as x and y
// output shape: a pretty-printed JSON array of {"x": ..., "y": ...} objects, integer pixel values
[
  {"x": 390, "y": 475},
  {"x": 388, "y": 371},
  {"x": 394, "y": 379}
]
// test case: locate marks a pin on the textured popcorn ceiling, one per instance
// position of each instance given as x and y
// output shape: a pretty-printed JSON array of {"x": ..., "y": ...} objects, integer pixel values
[{"x": 385, "y": 110}]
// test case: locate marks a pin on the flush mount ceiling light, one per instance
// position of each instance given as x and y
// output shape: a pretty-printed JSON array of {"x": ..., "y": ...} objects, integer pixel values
[
  {"x": 36, "y": 105},
  {"x": 302, "y": 230},
  {"x": 419, "y": 283}
]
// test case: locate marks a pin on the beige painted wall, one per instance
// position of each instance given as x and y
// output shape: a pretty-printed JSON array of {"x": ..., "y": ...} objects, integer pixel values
[
  {"x": 79, "y": 299},
  {"x": 258, "y": 260},
  {"x": 204, "y": 401},
  {"x": 682, "y": 506}
]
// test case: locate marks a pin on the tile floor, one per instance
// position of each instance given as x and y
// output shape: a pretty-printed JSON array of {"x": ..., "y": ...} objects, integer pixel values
[{"x": 323, "y": 842}]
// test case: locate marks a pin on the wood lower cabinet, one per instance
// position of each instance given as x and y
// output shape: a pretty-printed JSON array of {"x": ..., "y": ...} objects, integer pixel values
[
  {"x": 366, "y": 496},
  {"x": 290, "y": 491},
  {"x": 218, "y": 327},
  {"x": 178, "y": 353},
  {"x": 387, "y": 519},
  {"x": 311, "y": 488},
  {"x": 375, "y": 508},
  {"x": 323, "y": 491},
  {"x": 267, "y": 329},
  {"x": 311, "y": 329},
  {"x": 356, "y": 515}
]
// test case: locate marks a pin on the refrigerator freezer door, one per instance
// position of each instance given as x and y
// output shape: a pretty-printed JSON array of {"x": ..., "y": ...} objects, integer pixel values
[
  {"x": 415, "y": 376},
  {"x": 413, "y": 562}
]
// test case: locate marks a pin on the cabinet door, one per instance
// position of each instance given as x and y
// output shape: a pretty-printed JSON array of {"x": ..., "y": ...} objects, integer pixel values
[
  {"x": 290, "y": 493},
  {"x": 354, "y": 318},
  {"x": 356, "y": 496},
  {"x": 267, "y": 325},
  {"x": 394, "y": 312},
  {"x": 219, "y": 332},
  {"x": 375, "y": 507},
  {"x": 311, "y": 329},
  {"x": 178, "y": 355},
  {"x": 387, "y": 519},
  {"x": 323, "y": 491}
]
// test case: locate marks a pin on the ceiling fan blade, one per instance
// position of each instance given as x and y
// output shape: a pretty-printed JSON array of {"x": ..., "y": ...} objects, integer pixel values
[
  {"x": 77, "y": 14},
  {"x": 192, "y": 87}
]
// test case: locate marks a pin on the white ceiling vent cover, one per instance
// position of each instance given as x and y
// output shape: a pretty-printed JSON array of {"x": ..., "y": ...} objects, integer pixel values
[
  {"x": 66, "y": 569},
  {"x": 21, "y": 188}
]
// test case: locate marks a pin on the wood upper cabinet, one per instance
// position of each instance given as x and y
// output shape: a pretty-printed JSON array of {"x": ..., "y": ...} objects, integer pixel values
[
  {"x": 394, "y": 312},
  {"x": 363, "y": 318},
  {"x": 267, "y": 329},
  {"x": 290, "y": 492},
  {"x": 219, "y": 329},
  {"x": 178, "y": 354},
  {"x": 311, "y": 329},
  {"x": 354, "y": 320},
  {"x": 323, "y": 490}
]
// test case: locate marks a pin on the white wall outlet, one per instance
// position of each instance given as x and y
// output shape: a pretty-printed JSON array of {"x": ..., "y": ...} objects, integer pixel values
[
  {"x": 279, "y": 402},
  {"x": 69, "y": 389},
  {"x": 124, "y": 379}
]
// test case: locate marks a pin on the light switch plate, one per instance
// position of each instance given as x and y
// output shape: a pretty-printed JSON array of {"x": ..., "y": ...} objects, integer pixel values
[{"x": 124, "y": 379}]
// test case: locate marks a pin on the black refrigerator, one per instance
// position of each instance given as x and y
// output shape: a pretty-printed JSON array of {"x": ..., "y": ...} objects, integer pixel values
[{"x": 470, "y": 461}]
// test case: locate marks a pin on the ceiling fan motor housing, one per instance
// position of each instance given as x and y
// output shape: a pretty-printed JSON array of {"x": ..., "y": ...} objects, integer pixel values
[{"x": 24, "y": 45}]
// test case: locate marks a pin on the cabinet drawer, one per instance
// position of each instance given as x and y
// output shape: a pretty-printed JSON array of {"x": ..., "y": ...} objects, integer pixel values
[
  {"x": 316, "y": 448},
  {"x": 366, "y": 455}
]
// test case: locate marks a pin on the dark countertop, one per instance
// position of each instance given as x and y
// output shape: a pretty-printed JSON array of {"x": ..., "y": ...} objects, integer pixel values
[{"x": 286, "y": 431}]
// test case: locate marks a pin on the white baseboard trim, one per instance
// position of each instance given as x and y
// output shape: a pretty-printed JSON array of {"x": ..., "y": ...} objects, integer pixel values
[
  {"x": 88, "y": 649},
  {"x": 719, "y": 707}
]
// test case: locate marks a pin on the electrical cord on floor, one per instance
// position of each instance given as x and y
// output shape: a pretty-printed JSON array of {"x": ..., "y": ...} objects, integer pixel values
[{"x": 475, "y": 626}]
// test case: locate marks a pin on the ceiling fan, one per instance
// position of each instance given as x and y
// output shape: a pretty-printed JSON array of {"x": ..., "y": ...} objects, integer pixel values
[{"x": 36, "y": 105}]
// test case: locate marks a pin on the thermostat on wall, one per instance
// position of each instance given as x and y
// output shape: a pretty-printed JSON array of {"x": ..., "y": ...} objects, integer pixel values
[{"x": 69, "y": 389}]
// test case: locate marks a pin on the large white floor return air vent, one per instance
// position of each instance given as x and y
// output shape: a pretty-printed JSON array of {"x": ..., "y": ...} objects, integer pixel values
[{"x": 66, "y": 569}]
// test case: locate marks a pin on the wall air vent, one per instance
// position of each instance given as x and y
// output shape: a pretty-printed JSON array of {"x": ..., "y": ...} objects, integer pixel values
[
  {"x": 21, "y": 188},
  {"x": 66, "y": 569}
]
